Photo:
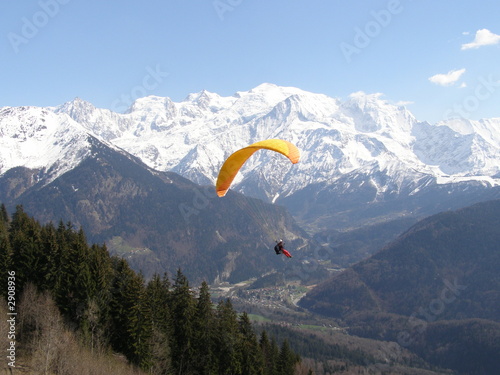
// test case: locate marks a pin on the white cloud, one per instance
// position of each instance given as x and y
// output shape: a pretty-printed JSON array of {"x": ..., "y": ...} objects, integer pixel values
[
  {"x": 447, "y": 79},
  {"x": 484, "y": 37}
]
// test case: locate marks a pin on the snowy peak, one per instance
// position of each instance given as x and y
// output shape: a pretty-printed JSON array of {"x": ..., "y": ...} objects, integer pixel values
[
  {"x": 488, "y": 129},
  {"x": 271, "y": 93},
  {"x": 371, "y": 114},
  {"x": 76, "y": 108},
  {"x": 152, "y": 104},
  {"x": 38, "y": 138},
  {"x": 203, "y": 99},
  {"x": 102, "y": 123},
  {"x": 362, "y": 135},
  {"x": 461, "y": 149}
]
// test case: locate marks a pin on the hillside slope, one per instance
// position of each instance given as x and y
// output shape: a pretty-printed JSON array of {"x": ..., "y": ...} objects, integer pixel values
[
  {"x": 453, "y": 255},
  {"x": 159, "y": 221},
  {"x": 435, "y": 290}
]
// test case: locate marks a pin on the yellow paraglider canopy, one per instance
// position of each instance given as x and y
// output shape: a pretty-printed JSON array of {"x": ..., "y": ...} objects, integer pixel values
[{"x": 236, "y": 160}]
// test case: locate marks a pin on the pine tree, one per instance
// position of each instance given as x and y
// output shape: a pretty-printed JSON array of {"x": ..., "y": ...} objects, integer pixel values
[
  {"x": 204, "y": 333},
  {"x": 157, "y": 299},
  {"x": 129, "y": 318},
  {"x": 97, "y": 315},
  {"x": 138, "y": 323},
  {"x": 229, "y": 361},
  {"x": 84, "y": 281},
  {"x": 52, "y": 252},
  {"x": 270, "y": 352},
  {"x": 286, "y": 359},
  {"x": 74, "y": 285},
  {"x": 4, "y": 215},
  {"x": 182, "y": 312},
  {"x": 63, "y": 272},
  {"x": 27, "y": 257},
  {"x": 252, "y": 359}
]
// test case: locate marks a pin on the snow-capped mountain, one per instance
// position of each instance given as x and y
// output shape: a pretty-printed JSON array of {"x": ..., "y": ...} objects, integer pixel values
[
  {"x": 41, "y": 140},
  {"x": 364, "y": 135}
]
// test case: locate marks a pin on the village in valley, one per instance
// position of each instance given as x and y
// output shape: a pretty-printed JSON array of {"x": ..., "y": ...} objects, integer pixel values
[{"x": 272, "y": 303}]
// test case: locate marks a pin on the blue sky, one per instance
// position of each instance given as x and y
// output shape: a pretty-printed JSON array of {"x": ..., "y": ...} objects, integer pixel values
[{"x": 426, "y": 54}]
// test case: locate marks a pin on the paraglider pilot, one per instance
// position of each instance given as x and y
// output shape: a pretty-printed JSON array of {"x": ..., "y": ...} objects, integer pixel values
[{"x": 279, "y": 249}]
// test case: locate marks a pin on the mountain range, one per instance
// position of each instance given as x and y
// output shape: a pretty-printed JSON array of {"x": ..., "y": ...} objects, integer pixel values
[
  {"x": 363, "y": 148},
  {"x": 364, "y": 161}
]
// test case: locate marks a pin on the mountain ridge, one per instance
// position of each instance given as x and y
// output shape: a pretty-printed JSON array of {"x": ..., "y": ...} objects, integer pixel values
[{"x": 336, "y": 137}]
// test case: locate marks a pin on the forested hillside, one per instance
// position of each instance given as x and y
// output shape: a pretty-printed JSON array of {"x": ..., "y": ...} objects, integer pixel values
[
  {"x": 72, "y": 297},
  {"x": 452, "y": 254},
  {"x": 435, "y": 290}
]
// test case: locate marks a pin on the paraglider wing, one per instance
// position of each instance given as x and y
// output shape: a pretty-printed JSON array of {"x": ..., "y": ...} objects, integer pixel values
[{"x": 234, "y": 162}]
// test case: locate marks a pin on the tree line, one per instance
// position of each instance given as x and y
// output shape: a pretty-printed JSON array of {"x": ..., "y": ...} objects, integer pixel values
[{"x": 160, "y": 325}]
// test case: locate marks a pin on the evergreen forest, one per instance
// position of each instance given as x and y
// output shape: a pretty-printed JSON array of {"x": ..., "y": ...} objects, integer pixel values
[{"x": 69, "y": 293}]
